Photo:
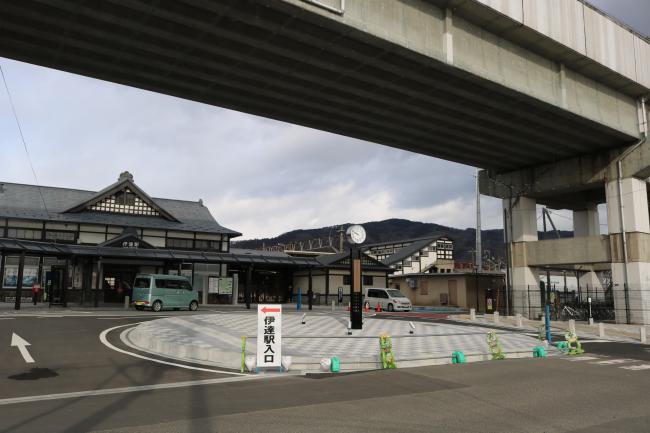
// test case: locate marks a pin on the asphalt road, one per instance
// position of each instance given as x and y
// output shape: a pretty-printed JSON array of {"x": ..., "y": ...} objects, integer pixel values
[{"x": 527, "y": 395}]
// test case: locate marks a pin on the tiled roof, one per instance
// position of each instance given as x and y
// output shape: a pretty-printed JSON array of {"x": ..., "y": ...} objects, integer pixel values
[
  {"x": 24, "y": 201},
  {"x": 408, "y": 251}
]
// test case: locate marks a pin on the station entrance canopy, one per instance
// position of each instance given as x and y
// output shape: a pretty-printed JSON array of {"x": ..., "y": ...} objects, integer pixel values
[{"x": 65, "y": 250}]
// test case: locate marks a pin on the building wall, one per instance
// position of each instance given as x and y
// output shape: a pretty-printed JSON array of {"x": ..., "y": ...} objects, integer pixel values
[
  {"x": 429, "y": 288},
  {"x": 301, "y": 280}
]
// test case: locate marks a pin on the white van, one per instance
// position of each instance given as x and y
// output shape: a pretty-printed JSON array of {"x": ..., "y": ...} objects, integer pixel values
[{"x": 388, "y": 299}]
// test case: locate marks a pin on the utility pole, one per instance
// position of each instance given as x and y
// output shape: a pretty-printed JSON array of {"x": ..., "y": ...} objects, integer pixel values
[
  {"x": 341, "y": 238},
  {"x": 479, "y": 252}
]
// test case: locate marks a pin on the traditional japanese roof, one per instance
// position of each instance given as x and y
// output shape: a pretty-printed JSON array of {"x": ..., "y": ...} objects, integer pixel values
[
  {"x": 67, "y": 205},
  {"x": 342, "y": 260},
  {"x": 124, "y": 183},
  {"x": 414, "y": 245}
]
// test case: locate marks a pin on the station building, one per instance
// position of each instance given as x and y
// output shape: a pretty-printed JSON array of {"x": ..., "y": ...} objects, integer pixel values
[
  {"x": 422, "y": 255},
  {"x": 92, "y": 244}
]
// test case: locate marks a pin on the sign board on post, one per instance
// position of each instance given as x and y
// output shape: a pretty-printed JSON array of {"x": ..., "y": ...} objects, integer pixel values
[
  {"x": 213, "y": 284},
  {"x": 269, "y": 335},
  {"x": 225, "y": 286}
]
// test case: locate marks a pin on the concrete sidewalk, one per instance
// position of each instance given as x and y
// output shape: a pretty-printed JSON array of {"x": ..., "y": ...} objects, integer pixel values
[
  {"x": 610, "y": 331},
  {"x": 215, "y": 340}
]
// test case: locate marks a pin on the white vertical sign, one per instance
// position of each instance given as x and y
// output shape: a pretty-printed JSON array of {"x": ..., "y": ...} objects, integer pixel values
[{"x": 269, "y": 335}]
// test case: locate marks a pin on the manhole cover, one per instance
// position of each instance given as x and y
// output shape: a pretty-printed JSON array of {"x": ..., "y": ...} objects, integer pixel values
[{"x": 35, "y": 374}]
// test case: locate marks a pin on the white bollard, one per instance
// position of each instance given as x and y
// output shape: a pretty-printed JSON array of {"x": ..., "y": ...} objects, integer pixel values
[
  {"x": 642, "y": 334},
  {"x": 286, "y": 362},
  {"x": 126, "y": 302},
  {"x": 332, "y": 305},
  {"x": 496, "y": 317},
  {"x": 302, "y": 320},
  {"x": 572, "y": 325},
  {"x": 472, "y": 314},
  {"x": 542, "y": 319},
  {"x": 601, "y": 330},
  {"x": 520, "y": 321},
  {"x": 591, "y": 321}
]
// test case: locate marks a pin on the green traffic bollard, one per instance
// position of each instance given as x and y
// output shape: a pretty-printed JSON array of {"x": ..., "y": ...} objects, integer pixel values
[
  {"x": 458, "y": 357},
  {"x": 539, "y": 352},
  {"x": 562, "y": 346},
  {"x": 335, "y": 365}
]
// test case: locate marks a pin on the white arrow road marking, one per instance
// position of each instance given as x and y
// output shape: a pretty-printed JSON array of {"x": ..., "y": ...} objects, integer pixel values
[{"x": 21, "y": 344}]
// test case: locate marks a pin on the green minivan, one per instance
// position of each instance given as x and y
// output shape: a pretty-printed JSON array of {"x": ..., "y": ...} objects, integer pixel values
[{"x": 158, "y": 291}]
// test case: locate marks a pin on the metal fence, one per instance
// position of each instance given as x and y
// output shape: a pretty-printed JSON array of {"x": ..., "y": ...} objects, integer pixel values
[{"x": 613, "y": 303}]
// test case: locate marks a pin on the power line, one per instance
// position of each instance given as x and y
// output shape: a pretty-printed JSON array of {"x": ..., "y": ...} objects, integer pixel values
[{"x": 22, "y": 138}]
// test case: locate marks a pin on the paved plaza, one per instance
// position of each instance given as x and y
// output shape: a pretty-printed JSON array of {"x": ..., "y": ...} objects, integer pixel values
[{"x": 216, "y": 340}]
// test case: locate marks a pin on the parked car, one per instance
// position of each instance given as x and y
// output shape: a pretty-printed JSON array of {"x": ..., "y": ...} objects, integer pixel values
[
  {"x": 158, "y": 291},
  {"x": 388, "y": 299}
]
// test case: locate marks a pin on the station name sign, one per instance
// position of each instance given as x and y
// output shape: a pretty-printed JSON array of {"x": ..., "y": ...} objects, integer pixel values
[{"x": 269, "y": 335}]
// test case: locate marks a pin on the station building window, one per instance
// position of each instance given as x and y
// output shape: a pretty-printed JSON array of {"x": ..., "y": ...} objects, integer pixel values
[
  {"x": 67, "y": 237},
  {"x": 24, "y": 234},
  {"x": 185, "y": 244},
  {"x": 30, "y": 272},
  {"x": 200, "y": 244}
]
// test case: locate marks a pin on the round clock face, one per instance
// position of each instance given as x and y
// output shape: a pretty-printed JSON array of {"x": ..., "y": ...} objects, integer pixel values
[{"x": 356, "y": 234}]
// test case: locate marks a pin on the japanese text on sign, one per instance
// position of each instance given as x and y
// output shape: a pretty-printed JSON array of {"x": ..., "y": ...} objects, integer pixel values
[{"x": 269, "y": 335}]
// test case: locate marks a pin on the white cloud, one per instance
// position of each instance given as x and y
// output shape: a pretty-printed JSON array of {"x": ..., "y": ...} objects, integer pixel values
[{"x": 257, "y": 176}]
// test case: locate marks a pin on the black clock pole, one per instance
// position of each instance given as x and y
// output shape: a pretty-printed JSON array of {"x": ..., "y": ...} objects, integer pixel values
[{"x": 356, "y": 320}]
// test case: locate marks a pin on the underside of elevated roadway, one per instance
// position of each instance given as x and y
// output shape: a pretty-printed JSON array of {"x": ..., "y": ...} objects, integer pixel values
[{"x": 406, "y": 74}]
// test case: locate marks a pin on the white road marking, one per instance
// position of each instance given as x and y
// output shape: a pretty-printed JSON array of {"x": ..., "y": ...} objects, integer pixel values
[
  {"x": 21, "y": 344},
  {"x": 637, "y": 367},
  {"x": 582, "y": 358},
  {"x": 110, "y": 391},
  {"x": 612, "y": 361},
  {"x": 7, "y": 318},
  {"x": 104, "y": 340}
]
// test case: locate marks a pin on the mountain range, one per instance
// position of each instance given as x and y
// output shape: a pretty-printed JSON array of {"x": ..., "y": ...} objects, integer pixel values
[{"x": 397, "y": 229}]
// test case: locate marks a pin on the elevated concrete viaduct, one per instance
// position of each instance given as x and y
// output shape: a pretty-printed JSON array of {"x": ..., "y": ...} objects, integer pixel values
[{"x": 544, "y": 95}]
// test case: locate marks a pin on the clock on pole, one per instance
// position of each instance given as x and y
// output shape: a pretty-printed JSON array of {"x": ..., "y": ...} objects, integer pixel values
[{"x": 356, "y": 235}]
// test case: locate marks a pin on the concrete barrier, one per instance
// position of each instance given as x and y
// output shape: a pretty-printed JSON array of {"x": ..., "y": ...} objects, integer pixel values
[
  {"x": 496, "y": 317},
  {"x": 520, "y": 321},
  {"x": 472, "y": 314}
]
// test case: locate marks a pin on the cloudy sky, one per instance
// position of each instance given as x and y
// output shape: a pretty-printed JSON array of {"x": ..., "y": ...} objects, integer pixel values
[{"x": 257, "y": 176}]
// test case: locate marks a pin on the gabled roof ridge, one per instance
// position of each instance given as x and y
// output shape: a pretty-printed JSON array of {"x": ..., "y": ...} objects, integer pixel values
[{"x": 125, "y": 181}]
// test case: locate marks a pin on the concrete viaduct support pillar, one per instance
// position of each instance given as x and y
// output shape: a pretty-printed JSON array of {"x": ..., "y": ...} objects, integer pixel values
[
  {"x": 521, "y": 226},
  {"x": 586, "y": 223},
  {"x": 634, "y": 304}
]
